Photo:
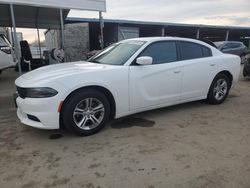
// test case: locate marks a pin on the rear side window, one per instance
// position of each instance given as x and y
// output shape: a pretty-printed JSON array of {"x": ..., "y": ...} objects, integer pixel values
[
  {"x": 191, "y": 50},
  {"x": 206, "y": 52},
  {"x": 161, "y": 52}
]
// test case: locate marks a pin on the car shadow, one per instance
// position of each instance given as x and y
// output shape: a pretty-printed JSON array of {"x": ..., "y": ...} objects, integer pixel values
[{"x": 142, "y": 119}]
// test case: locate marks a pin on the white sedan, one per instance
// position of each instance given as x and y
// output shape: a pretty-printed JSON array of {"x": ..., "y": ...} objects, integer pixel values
[{"x": 128, "y": 77}]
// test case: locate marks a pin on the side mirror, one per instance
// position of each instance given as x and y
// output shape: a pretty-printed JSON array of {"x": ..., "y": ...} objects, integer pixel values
[{"x": 144, "y": 60}]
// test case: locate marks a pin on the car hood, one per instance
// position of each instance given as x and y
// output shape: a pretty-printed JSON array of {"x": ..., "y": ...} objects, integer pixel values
[{"x": 63, "y": 69}]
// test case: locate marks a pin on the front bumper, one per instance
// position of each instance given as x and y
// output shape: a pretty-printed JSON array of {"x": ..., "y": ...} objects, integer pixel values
[{"x": 45, "y": 110}]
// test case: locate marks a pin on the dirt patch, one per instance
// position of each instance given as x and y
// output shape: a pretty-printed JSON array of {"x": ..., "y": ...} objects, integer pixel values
[
  {"x": 57, "y": 183},
  {"x": 52, "y": 161},
  {"x": 55, "y": 136},
  {"x": 94, "y": 165},
  {"x": 132, "y": 122},
  {"x": 31, "y": 184}
]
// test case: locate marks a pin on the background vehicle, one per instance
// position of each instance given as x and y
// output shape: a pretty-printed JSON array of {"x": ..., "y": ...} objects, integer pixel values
[
  {"x": 246, "y": 70},
  {"x": 208, "y": 42},
  {"x": 128, "y": 77},
  {"x": 233, "y": 47},
  {"x": 7, "y": 58}
]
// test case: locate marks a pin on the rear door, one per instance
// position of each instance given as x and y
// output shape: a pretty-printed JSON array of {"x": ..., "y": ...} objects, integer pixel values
[
  {"x": 198, "y": 69},
  {"x": 159, "y": 83}
]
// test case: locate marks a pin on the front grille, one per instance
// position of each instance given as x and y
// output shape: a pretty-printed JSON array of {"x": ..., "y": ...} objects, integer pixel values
[{"x": 21, "y": 92}]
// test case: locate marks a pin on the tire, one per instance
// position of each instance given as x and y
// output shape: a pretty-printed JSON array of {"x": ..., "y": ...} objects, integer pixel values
[
  {"x": 219, "y": 89},
  {"x": 80, "y": 113}
]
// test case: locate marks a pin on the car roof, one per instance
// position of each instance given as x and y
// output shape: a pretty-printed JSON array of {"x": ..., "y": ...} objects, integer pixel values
[
  {"x": 152, "y": 39},
  {"x": 156, "y": 39},
  {"x": 225, "y": 42}
]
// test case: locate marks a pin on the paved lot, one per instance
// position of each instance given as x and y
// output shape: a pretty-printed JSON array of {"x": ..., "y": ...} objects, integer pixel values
[{"x": 190, "y": 145}]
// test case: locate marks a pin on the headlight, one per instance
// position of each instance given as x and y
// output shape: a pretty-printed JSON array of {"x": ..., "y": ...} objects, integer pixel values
[{"x": 41, "y": 92}]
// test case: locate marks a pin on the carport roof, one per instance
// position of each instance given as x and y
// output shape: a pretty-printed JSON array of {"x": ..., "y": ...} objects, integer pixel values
[
  {"x": 43, "y": 13},
  {"x": 132, "y": 22},
  {"x": 31, "y": 17}
]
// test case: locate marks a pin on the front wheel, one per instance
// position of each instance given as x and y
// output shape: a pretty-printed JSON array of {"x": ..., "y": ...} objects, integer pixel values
[
  {"x": 86, "y": 112},
  {"x": 219, "y": 89}
]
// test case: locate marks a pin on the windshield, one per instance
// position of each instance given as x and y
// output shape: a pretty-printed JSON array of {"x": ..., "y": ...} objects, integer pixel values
[
  {"x": 3, "y": 41},
  {"x": 118, "y": 53}
]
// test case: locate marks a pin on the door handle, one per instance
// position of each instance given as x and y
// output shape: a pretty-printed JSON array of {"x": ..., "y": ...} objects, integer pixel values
[
  {"x": 212, "y": 64},
  {"x": 176, "y": 72}
]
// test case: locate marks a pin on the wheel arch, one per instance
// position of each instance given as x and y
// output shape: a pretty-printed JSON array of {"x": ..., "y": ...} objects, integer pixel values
[
  {"x": 228, "y": 74},
  {"x": 101, "y": 89}
]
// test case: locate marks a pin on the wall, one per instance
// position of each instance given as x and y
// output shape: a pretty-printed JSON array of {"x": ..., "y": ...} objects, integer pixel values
[
  {"x": 52, "y": 39},
  {"x": 128, "y": 32},
  {"x": 76, "y": 41},
  {"x": 110, "y": 34},
  {"x": 151, "y": 31},
  {"x": 2, "y": 30}
]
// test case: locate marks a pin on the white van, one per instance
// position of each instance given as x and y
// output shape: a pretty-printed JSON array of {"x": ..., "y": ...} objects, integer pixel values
[{"x": 7, "y": 57}]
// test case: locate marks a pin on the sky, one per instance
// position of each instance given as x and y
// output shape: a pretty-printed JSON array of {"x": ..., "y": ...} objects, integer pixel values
[{"x": 212, "y": 12}]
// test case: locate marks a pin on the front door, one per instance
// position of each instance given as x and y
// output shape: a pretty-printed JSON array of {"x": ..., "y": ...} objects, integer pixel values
[{"x": 159, "y": 83}]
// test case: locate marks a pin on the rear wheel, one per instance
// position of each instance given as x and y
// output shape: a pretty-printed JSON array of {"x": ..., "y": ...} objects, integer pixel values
[
  {"x": 86, "y": 112},
  {"x": 219, "y": 89}
]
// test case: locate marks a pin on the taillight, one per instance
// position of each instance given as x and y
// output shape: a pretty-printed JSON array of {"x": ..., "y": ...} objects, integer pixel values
[{"x": 6, "y": 50}]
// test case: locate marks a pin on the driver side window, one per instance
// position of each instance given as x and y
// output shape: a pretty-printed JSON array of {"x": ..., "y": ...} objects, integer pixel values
[{"x": 161, "y": 52}]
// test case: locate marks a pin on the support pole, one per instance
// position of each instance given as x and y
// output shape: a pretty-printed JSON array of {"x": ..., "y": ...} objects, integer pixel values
[
  {"x": 38, "y": 33},
  {"x": 12, "y": 37},
  {"x": 198, "y": 33},
  {"x": 227, "y": 35},
  {"x": 62, "y": 29},
  {"x": 101, "y": 30},
  {"x": 39, "y": 43},
  {"x": 17, "y": 50},
  {"x": 163, "y": 31}
]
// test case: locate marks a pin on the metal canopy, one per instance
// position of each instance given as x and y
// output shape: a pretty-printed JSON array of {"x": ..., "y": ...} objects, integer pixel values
[
  {"x": 92, "y": 5},
  {"x": 31, "y": 17},
  {"x": 46, "y": 14}
]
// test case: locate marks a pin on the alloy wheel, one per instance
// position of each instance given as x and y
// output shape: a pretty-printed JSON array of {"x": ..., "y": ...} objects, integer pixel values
[
  {"x": 220, "y": 89},
  {"x": 88, "y": 113}
]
